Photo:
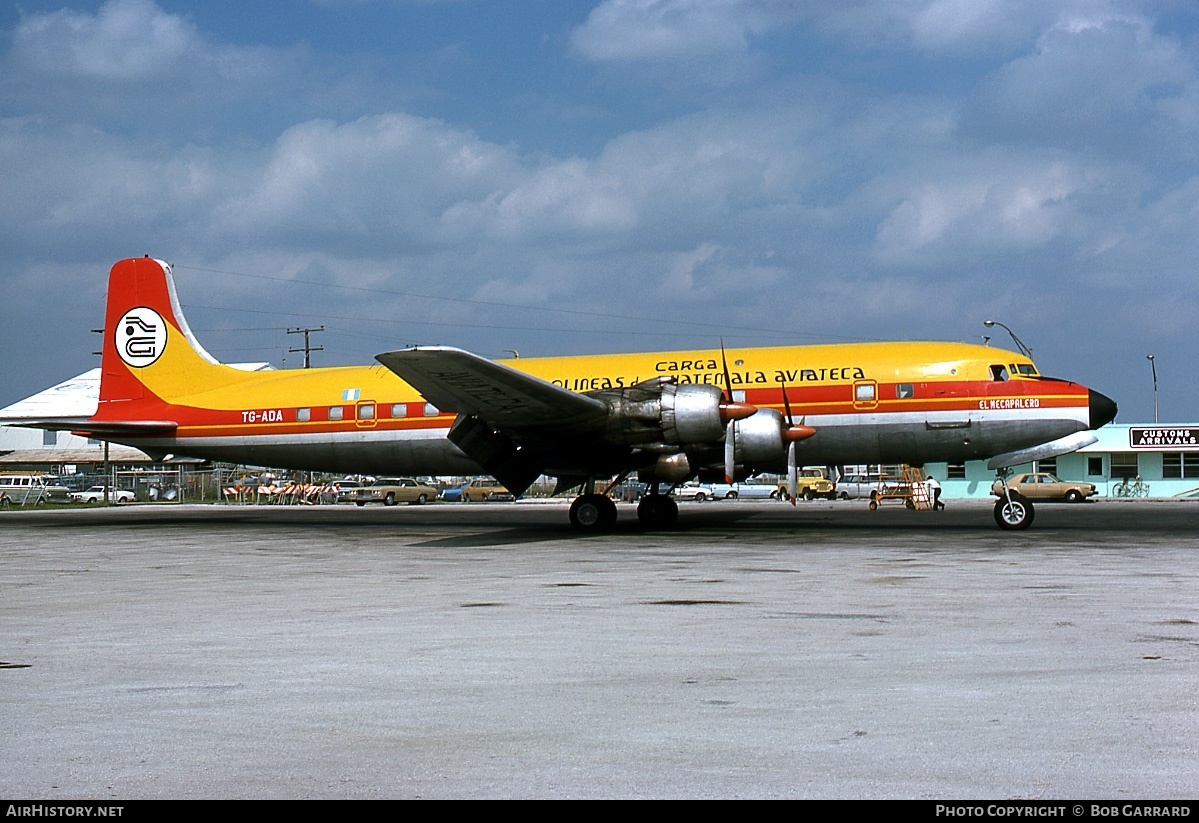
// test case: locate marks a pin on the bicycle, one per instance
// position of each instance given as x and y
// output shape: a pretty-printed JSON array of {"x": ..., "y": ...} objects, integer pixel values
[{"x": 1131, "y": 487}]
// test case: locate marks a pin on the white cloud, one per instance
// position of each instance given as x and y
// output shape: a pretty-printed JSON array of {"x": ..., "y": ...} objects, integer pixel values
[
  {"x": 1103, "y": 80},
  {"x": 996, "y": 204},
  {"x": 670, "y": 29},
  {"x": 126, "y": 40}
]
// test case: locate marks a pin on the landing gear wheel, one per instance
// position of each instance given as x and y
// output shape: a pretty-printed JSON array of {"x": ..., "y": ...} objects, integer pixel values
[
  {"x": 593, "y": 513},
  {"x": 657, "y": 511},
  {"x": 1015, "y": 514}
]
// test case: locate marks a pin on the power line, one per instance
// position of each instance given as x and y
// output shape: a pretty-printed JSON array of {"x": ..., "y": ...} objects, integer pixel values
[{"x": 495, "y": 304}]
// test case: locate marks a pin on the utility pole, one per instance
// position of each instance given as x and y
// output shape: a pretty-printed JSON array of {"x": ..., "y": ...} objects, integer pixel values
[
  {"x": 307, "y": 346},
  {"x": 107, "y": 464}
]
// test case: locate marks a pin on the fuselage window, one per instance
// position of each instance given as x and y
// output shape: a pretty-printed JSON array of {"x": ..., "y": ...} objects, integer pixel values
[
  {"x": 903, "y": 391},
  {"x": 431, "y": 410},
  {"x": 336, "y": 412},
  {"x": 366, "y": 411},
  {"x": 864, "y": 392},
  {"x": 399, "y": 410},
  {"x": 303, "y": 415}
]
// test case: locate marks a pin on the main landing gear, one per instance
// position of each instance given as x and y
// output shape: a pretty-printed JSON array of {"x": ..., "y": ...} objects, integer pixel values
[
  {"x": 596, "y": 513},
  {"x": 657, "y": 511},
  {"x": 593, "y": 513}
]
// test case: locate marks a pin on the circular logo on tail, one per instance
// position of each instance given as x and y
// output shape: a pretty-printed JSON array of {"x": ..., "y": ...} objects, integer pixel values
[{"x": 141, "y": 336}]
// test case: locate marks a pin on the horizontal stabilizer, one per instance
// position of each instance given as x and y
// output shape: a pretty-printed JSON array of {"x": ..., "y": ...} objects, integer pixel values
[
  {"x": 1054, "y": 448},
  {"x": 457, "y": 381},
  {"x": 101, "y": 430}
]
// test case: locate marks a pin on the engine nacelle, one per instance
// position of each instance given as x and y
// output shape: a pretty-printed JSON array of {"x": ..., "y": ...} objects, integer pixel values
[
  {"x": 664, "y": 413},
  {"x": 760, "y": 443},
  {"x": 669, "y": 468}
]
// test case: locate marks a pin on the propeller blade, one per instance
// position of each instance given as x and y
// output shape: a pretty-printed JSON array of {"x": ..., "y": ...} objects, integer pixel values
[
  {"x": 728, "y": 378},
  {"x": 730, "y": 451},
  {"x": 792, "y": 473}
]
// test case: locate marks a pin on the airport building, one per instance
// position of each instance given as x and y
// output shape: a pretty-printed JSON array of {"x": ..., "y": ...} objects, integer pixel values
[{"x": 1165, "y": 458}]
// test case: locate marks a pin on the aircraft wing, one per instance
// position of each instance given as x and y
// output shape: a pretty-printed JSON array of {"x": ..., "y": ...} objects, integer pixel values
[{"x": 457, "y": 381}]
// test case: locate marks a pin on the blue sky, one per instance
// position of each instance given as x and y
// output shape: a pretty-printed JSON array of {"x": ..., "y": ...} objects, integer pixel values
[{"x": 559, "y": 177}]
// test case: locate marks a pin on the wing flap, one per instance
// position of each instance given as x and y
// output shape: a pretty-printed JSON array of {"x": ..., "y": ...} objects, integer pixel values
[{"x": 457, "y": 381}]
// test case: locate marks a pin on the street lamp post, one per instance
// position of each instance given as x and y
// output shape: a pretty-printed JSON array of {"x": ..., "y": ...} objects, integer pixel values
[
  {"x": 1024, "y": 350},
  {"x": 1153, "y": 366}
]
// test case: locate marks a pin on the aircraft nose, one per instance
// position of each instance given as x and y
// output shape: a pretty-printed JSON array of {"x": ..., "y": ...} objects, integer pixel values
[{"x": 1103, "y": 409}]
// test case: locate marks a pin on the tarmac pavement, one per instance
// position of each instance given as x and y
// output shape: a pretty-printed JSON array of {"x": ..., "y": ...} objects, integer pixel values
[{"x": 486, "y": 651}]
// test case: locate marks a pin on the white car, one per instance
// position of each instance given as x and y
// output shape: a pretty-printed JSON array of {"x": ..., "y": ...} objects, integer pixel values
[
  {"x": 746, "y": 490},
  {"x": 96, "y": 495},
  {"x": 693, "y": 491}
]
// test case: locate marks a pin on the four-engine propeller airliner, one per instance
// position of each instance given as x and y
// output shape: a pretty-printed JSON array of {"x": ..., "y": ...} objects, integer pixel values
[{"x": 581, "y": 419}]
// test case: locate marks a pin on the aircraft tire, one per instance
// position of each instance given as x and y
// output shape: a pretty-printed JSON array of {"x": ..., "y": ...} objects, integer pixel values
[
  {"x": 593, "y": 513},
  {"x": 657, "y": 511},
  {"x": 1016, "y": 515}
]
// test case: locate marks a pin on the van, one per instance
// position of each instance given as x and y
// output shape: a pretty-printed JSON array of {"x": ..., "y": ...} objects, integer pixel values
[{"x": 29, "y": 490}]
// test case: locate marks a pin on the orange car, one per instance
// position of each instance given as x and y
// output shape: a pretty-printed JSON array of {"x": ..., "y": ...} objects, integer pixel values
[{"x": 1044, "y": 486}]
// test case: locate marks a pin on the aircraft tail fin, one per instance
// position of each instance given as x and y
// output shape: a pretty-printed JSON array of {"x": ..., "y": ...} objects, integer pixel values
[{"x": 150, "y": 358}]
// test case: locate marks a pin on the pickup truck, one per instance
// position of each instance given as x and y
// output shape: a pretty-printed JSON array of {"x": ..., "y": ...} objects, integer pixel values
[{"x": 811, "y": 483}]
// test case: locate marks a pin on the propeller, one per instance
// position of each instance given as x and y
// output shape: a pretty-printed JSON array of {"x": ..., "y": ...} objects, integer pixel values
[
  {"x": 792, "y": 434},
  {"x": 730, "y": 412}
]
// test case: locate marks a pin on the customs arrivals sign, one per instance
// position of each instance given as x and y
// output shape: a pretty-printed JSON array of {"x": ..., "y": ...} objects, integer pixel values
[{"x": 1164, "y": 438}]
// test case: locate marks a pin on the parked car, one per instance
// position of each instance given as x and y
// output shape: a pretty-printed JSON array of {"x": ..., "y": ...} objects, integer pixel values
[
  {"x": 629, "y": 491},
  {"x": 392, "y": 490},
  {"x": 869, "y": 486},
  {"x": 347, "y": 490},
  {"x": 746, "y": 490},
  {"x": 692, "y": 490},
  {"x": 480, "y": 488},
  {"x": 1045, "y": 486},
  {"x": 96, "y": 495}
]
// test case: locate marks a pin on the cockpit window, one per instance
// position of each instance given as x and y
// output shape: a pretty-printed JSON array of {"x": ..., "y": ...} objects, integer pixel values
[
  {"x": 999, "y": 372},
  {"x": 1025, "y": 370}
]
